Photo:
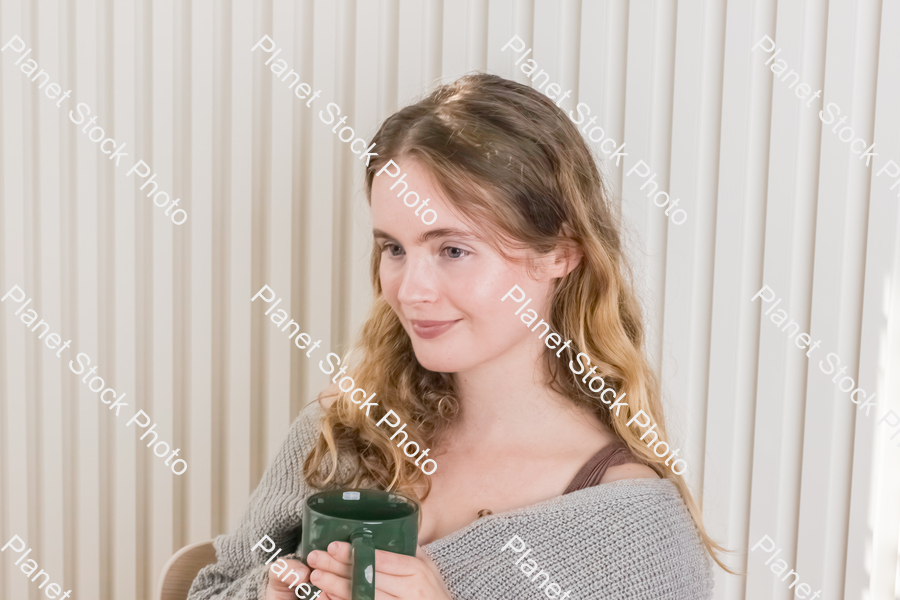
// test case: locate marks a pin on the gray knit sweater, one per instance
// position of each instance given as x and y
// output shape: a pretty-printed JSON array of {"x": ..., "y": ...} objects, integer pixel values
[{"x": 627, "y": 540}]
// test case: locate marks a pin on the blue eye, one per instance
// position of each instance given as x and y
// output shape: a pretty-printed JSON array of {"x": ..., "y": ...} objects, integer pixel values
[
  {"x": 390, "y": 247},
  {"x": 453, "y": 252}
]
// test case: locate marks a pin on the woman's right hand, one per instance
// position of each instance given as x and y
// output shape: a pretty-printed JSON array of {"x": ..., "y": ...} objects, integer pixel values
[{"x": 279, "y": 590}]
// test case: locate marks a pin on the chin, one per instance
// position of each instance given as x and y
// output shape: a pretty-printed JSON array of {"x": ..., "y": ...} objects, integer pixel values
[
  {"x": 449, "y": 353},
  {"x": 439, "y": 364},
  {"x": 446, "y": 358}
]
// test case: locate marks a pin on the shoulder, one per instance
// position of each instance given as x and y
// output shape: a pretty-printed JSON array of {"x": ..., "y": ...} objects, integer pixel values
[
  {"x": 327, "y": 396},
  {"x": 630, "y": 539},
  {"x": 637, "y": 512},
  {"x": 634, "y": 511},
  {"x": 649, "y": 534},
  {"x": 304, "y": 430},
  {"x": 307, "y": 422},
  {"x": 628, "y": 471}
]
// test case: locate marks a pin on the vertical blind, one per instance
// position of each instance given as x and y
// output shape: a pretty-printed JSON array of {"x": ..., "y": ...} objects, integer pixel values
[{"x": 772, "y": 196}]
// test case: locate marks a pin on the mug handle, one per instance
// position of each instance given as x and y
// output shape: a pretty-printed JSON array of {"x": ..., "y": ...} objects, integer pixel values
[{"x": 362, "y": 584}]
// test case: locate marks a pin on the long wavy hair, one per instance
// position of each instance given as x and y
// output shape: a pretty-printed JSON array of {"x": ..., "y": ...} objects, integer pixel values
[{"x": 511, "y": 163}]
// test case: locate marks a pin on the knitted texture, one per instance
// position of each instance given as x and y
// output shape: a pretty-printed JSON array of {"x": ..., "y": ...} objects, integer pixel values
[
  {"x": 632, "y": 539},
  {"x": 275, "y": 509},
  {"x": 627, "y": 540}
]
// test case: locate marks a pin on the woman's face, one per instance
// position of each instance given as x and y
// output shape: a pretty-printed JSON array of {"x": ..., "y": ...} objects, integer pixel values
[{"x": 445, "y": 283}]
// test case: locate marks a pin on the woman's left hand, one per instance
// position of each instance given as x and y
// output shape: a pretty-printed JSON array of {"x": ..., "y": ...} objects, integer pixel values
[{"x": 397, "y": 576}]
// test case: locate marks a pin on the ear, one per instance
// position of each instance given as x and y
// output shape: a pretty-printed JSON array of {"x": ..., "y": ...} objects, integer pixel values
[{"x": 562, "y": 260}]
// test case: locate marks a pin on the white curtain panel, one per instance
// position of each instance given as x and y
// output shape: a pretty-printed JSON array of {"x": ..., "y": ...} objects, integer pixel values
[{"x": 775, "y": 199}]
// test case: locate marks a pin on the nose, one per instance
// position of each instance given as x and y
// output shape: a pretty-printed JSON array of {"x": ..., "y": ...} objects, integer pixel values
[{"x": 419, "y": 280}]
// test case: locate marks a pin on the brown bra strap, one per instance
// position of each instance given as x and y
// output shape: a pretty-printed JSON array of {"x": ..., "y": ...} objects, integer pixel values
[{"x": 594, "y": 469}]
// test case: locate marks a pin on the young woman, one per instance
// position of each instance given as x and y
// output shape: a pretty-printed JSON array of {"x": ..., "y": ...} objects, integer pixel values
[{"x": 527, "y": 450}]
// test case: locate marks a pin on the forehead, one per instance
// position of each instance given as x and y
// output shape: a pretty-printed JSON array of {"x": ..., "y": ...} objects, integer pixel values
[{"x": 394, "y": 210}]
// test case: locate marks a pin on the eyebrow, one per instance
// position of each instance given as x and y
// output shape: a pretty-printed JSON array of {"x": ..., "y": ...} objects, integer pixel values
[{"x": 433, "y": 233}]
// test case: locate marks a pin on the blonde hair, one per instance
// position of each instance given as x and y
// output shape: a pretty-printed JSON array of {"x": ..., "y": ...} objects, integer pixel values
[{"x": 506, "y": 157}]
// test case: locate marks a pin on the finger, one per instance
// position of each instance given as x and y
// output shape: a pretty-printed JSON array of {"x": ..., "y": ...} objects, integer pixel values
[
  {"x": 390, "y": 563},
  {"x": 420, "y": 553},
  {"x": 331, "y": 584},
  {"x": 425, "y": 558},
  {"x": 379, "y": 595},
  {"x": 382, "y": 595},
  {"x": 341, "y": 551},
  {"x": 391, "y": 586},
  {"x": 285, "y": 572},
  {"x": 324, "y": 561}
]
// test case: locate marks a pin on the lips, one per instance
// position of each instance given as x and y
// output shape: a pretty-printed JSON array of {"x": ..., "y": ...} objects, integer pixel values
[{"x": 431, "y": 329}]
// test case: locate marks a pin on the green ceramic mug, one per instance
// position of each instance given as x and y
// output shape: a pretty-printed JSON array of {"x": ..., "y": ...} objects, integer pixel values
[{"x": 367, "y": 519}]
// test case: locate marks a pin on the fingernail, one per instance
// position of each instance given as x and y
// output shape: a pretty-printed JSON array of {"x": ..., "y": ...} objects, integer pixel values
[
  {"x": 311, "y": 559},
  {"x": 332, "y": 547},
  {"x": 314, "y": 576}
]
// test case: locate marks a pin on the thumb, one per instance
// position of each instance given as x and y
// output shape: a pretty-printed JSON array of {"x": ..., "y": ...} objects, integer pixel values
[
  {"x": 425, "y": 558},
  {"x": 291, "y": 565}
]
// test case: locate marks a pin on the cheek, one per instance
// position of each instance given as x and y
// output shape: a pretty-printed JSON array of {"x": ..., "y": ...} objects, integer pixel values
[
  {"x": 492, "y": 290},
  {"x": 481, "y": 299},
  {"x": 390, "y": 284}
]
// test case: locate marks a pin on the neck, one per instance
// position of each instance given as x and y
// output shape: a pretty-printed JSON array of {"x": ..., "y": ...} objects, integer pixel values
[{"x": 506, "y": 400}]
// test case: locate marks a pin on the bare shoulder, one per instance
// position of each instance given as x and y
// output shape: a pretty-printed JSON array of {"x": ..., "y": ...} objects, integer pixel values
[{"x": 629, "y": 471}]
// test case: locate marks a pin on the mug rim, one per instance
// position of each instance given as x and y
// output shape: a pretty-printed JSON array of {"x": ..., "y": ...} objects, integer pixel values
[{"x": 413, "y": 514}]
